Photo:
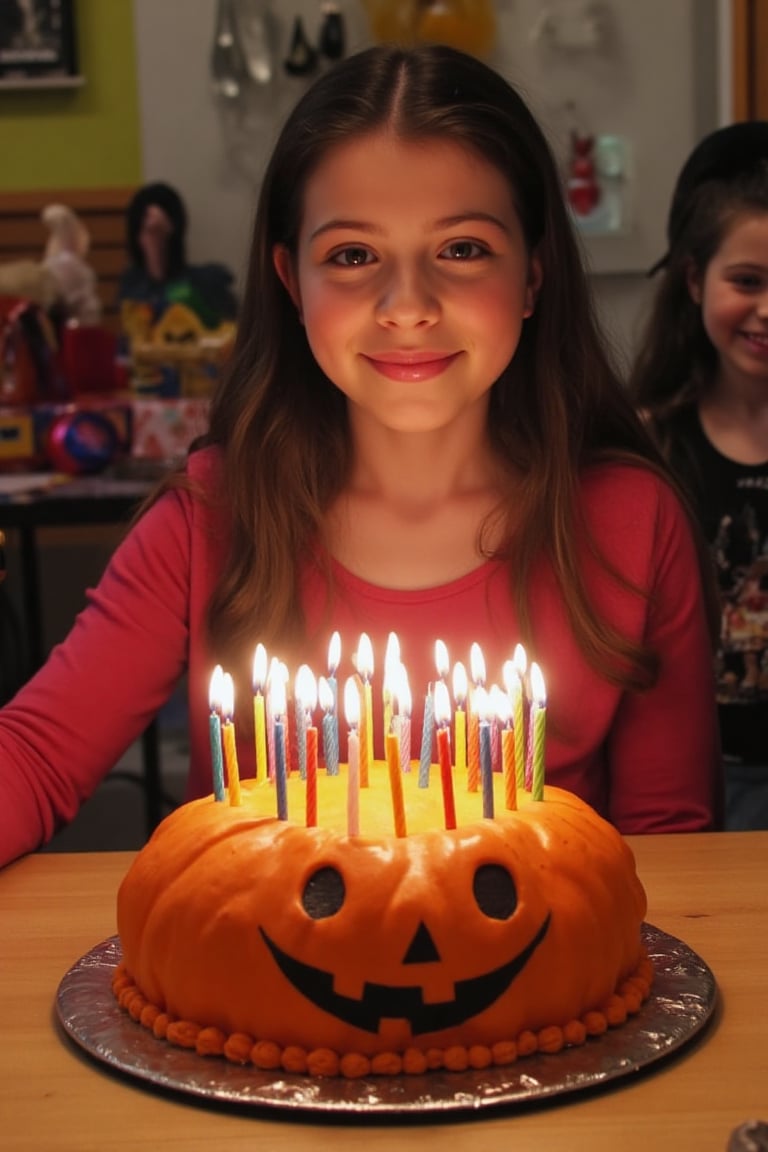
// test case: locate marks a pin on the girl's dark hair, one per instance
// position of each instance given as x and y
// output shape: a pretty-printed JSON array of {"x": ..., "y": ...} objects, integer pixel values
[
  {"x": 282, "y": 424},
  {"x": 677, "y": 360},
  {"x": 167, "y": 198}
]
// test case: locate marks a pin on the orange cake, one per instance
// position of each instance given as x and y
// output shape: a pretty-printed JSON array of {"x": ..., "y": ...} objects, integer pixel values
[{"x": 304, "y": 949}]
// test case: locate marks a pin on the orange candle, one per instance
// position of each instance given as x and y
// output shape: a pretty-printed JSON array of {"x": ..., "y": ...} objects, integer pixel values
[
  {"x": 396, "y": 783},
  {"x": 442, "y": 719},
  {"x": 362, "y": 733}
]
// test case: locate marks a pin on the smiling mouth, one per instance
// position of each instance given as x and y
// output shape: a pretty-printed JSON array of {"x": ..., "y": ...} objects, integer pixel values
[
  {"x": 412, "y": 368},
  {"x": 392, "y": 1002}
]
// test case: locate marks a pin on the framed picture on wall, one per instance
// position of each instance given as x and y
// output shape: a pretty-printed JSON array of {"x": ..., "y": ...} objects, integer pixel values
[{"x": 37, "y": 43}]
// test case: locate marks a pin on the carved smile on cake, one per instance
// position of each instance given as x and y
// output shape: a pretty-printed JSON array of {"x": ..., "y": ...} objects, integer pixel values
[{"x": 392, "y": 1002}]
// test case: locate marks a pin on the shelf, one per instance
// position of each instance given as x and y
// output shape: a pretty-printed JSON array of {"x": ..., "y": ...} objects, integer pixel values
[{"x": 19, "y": 83}]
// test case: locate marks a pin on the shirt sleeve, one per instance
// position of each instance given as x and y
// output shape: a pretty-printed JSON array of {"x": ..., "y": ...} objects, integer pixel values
[
  {"x": 68, "y": 726},
  {"x": 664, "y": 747}
]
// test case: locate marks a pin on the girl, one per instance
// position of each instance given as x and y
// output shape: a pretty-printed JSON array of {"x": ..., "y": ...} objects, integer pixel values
[
  {"x": 703, "y": 383},
  {"x": 420, "y": 432}
]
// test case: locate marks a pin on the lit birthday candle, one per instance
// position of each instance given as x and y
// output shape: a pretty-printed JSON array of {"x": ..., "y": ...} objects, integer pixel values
[
  {"x": 300, "y": 712},
  {"x": 330, "y": 726},
  {"x": 278, "y": 706},
  {"x": 460, "y": 717},
  {"x": 536, "y": 729},
  {"x": 274, "y": 671},
  {"x": 395, "y": 783},
  {"x": 365, "y": 672},
  {"x": 443, "y": 721},
  {"x": 228, "y": 738},
  {"x": 441, "y": 660},
  {"x": 352, "y": 713},
  {"x": 427, "y": 733},
  {"x": 402, "y": 718},
  {"x": 391, "y": 666},
  {"x": 214, "y": 728},
  {"x": 477, "y": 672},
  {"x": 259, "y": 710},
  {"x": 520, "y": 662},
  {"x": 482, "y": 706},
  {"x": 502, "y": 706},
  {"x": 306, "y": 696},
  {"x": 334, "y": 656}
]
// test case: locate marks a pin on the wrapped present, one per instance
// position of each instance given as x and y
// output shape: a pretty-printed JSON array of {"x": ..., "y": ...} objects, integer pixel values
[{"x": 164, "y": 427}]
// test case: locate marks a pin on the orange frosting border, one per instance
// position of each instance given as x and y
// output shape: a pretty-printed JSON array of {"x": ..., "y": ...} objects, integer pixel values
[{"x": 241, "y": 1048}]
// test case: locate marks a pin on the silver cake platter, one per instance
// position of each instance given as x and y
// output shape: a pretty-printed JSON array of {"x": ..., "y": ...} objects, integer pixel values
[{"x": 682, "y": 1002}]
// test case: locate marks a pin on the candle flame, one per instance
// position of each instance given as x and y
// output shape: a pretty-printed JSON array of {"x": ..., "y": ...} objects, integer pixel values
[
  {"x": 482, "y": 704},
  {"x": 441, "y": 659},
  {"x": 334, "y": 653},
  {"x": 306, "y": 688},
  {"x": 325, "y": 694},
  {"x": 477, "y": 664},
  {"x": 351, "y": 702},
  {"x": 277, "y": 690},
  {"x": 459, "y": 683},
  {"x": 520, "y": 660},
  {"x": 511, "y": 677},
  {"x": 501, "y": 705},
  {"x": 442, "y": 704},
  {"x": 402, "y": 692},
  {"x": 227, "y": 696},
  {"x": 214, "y": 691},
  {"x": 538, "y": 691},
  {"x": 259, "y": 669},
  {"x": 391, "y": 662},
  {"x": 365, "y": 657}
]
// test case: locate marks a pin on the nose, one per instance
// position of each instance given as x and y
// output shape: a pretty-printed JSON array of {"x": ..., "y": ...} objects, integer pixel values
[{"x": 407, "y": 299}]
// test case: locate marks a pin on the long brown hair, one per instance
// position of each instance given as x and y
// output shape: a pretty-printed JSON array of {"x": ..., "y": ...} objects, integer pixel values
[{"x": 282, "y": 424}]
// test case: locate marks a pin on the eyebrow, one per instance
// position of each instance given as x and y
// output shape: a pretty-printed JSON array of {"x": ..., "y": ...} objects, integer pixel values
[{"x": 443, "y": 222}]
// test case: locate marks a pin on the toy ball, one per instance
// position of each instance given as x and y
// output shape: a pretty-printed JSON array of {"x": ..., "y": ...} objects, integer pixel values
[{"x": 82, "y": 442}]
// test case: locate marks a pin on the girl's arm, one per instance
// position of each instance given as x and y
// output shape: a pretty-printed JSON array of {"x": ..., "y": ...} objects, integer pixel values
[
  {"x": 68, "y": 726},
  {"x": 664, "y": 750}
]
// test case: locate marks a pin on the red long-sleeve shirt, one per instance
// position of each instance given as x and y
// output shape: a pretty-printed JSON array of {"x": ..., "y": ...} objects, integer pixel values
[{"x": 648, "y": 761}]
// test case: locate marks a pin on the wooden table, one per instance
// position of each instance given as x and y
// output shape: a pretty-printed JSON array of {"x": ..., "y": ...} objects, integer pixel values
[{"x": 709, "y": 890}]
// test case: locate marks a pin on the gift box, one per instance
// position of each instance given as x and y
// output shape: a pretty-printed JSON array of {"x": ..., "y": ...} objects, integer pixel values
[{"x": 163, "y": 429}]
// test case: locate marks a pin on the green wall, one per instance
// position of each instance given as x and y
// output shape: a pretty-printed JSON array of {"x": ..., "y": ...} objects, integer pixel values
[{"x": 86, "y": 137}]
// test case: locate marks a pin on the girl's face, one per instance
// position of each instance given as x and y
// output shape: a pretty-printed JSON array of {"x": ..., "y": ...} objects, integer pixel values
[
  {"x": 733, "y": 295},
  {"x": 411, "y": 277}
]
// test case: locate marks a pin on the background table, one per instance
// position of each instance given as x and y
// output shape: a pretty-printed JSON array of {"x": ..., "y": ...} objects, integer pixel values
[
  {"x": 710, "y": 890},
  {"x": 55, "y": 501}
]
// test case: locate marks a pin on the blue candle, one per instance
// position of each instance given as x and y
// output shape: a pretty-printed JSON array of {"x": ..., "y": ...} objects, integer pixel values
[
  {"x": 216, "y": 759},
  {"x": 280, "y": 776},
  {"x": 215, "y": 690},
  {"x": 427, "y": 733},
  {"x": 486, "y": 768}
]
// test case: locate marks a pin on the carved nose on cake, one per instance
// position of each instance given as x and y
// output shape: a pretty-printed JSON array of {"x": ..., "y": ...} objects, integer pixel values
[{"x": 421, "y": 949}]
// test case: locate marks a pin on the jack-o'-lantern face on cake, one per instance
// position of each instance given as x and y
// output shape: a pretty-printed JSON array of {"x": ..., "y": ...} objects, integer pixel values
[{"x": 494, "y": 895}]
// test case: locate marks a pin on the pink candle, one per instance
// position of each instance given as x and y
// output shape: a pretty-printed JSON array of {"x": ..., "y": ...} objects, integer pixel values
[
  {"x": 443, "y": 718},
  {"x": 352, "y": 712}
]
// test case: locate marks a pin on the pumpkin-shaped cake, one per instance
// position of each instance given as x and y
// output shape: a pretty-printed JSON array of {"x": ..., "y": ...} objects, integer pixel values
[{"x": 304, "y": 948}]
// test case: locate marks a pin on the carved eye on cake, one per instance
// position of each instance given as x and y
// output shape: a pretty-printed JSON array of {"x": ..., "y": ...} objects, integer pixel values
[
  {"x": 323, "y": 893},
  {"x": 494, "y": 891}
]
